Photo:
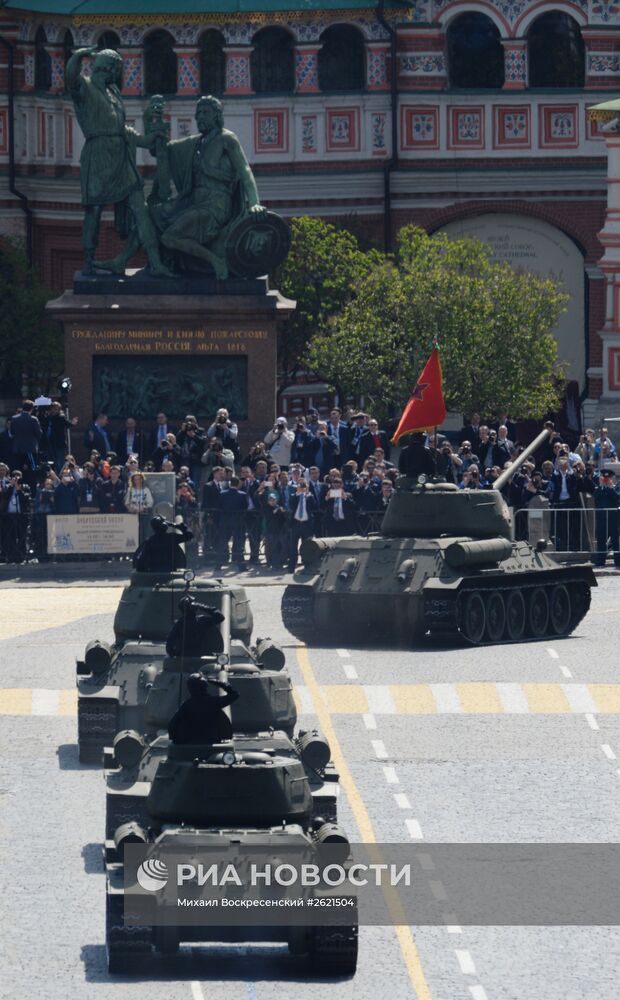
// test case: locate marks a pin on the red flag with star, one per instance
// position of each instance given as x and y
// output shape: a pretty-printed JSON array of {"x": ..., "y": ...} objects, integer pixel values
[{"x": 426, "y": 408}]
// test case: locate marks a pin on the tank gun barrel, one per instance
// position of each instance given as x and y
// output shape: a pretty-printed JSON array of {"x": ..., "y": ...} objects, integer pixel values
[
  {"x": 505, "y": 476},
  {"x": 225, "y": 632}
]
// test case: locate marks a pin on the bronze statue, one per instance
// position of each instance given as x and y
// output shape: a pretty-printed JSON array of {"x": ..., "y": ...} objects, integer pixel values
[{"x": 108, "y": 172}]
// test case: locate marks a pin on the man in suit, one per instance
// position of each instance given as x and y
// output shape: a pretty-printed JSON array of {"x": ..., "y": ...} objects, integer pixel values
[
  {"x": 211, "y": 506},
  {"x": 563, "y": 490},
  {"x": 158, "y": 434},
  {"x": 303, "y": 510},
  {"x": 97, "y": 437},
  {"x": 54, "y": 426},
  {"x": 233, "y": 505},
  {"x": 252, "y": 517},
  {"x": 356, "y": 431},
  {"x": 26, "y": 432},
  {"x": 339, "y": 432},
  {"x": 371, "y": 439},
  {"x": 322, "y": 450},
  {"x": 129, "y": 442},
  {"x": 470, "y": 432},
  {"x": 14, "y": 507}
]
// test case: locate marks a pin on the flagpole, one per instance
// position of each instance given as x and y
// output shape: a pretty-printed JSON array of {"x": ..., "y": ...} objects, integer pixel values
[{"x": 435, "y": 456}]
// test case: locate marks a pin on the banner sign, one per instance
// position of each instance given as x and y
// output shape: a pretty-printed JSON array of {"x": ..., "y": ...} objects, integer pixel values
[{"x": 92, "y": 534}]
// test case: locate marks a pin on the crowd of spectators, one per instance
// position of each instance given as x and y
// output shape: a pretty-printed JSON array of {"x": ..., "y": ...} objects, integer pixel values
[{"x": 314, "y": 477}]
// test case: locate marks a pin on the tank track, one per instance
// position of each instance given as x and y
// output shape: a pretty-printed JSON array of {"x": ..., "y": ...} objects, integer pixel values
[
  {"x": 127, "y": 947},
  {"x": 124, "y": 809},
  {"x": 297, "y": 611},
  {"x": 96, "y": 728},
  {"x": 450, "y": 627},
  {"x": 333, "y": 950}
]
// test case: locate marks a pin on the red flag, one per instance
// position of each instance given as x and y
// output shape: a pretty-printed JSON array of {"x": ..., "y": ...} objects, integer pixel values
[{"x": 426, "y": 408}]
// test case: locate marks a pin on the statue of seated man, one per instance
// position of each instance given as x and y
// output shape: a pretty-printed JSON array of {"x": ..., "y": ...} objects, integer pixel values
[
  {"x": 196, "y": 631},
  {"x": 201, "y": 718},
  {"x": 161, "y": 552},
  {"x": 215, "y": 186}
]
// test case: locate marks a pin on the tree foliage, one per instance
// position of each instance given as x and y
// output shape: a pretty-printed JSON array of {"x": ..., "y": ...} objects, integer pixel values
[
  {"x": 493, "y": 325},
  {"x": 324, "y": 268},
  {"x": 31, "y": 345}
]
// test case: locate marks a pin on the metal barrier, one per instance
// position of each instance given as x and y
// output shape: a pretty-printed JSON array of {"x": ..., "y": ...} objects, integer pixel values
[{"x": 578, "y": 530}]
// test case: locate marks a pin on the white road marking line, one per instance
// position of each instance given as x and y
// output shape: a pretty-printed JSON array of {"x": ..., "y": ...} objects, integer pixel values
[
  {"x": 438, "y": 889},
  {"x": 579, "y": 698},
  {"x": 590, "y": 719},
  {"x": 478, "y": 992},
  {"x": 251, "y": 990},
  {"x": 391, "y": 776},
  {"x": 197, "y": 993},
  {"x": 605, "y": 747},
  {"x": 44, "y": 702},
  {"x": 379, "y": 699},
  {"x": 553, "y": 654},
  {"x": 369, "y": 720},
  {"x": 565, "y": 671},
  {"x": 304, "y": 700},
  {"x": 446, "y": 698},
  {"x": 425, "y": 862},
  {"x": 512, "y": 698},
  {"x": 402, "y": 801},
  {"x": 451, "y": 925},
  {"x": 350, "y": 672},
  {"x": 618, "y": 772},
  {"x": 414, "y": 829},
  {"x": 343, "y": 653},
  {"x": 379, "y": 748},
  {"x": 466, "y": 962}
]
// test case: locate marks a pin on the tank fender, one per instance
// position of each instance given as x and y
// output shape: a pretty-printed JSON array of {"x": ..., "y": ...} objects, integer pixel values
[{"x": 86, "y": 689}]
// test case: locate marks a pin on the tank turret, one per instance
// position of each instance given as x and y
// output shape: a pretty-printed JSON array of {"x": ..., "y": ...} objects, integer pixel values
[{"x": 444, "y": 563}]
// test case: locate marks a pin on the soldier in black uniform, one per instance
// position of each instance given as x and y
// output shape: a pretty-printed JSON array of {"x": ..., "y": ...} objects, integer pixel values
[
  {"x": 195, "y": 632},
  {"x": 202, "y": 719},
  {"x": 161, "y": 552},
  {"x": 606, "y": 501}
]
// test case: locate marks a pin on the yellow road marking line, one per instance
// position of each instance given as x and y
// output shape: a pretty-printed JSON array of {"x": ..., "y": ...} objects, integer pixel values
[
  {"x": 413, "y": 699},
  {"x": 479, "y": 698},
  {"x": 606, "y": 697},
  {"x": 345, "y": 699},
  {"x": 16, "y": 701},
  {"x": 546, "y": 698},
  {"x": 403, "y": 933}
]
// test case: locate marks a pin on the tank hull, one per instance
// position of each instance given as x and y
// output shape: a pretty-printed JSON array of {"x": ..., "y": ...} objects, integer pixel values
[{"x": 398, "y": 590}]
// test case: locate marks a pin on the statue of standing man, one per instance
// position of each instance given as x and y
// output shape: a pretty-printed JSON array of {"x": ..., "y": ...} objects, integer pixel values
[{"x": 108, "y": 172}]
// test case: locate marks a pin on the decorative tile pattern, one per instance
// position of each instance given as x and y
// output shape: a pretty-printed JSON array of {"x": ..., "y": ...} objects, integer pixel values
[
  {"x": 4, "y": 130},
  {"x": 342, "y": 130},
  {"x": 51, "y": 137},
  {"x": 515, "y": 63},
  {"x": 308, "y": 134},
  {"x": 605, "y": 11},
  {"x": 423, "y": 64},
  {"x": 188, "y": 73},
  {"x": 603, "y": 63},
  {"x": 132, "y": 74},
  {"x": 558, "y": 126},
  {"x": 466, "y": 128},
  {"x": 58, "y": 70},
  {"x": 419, "y": 127},
  {"x": 271, "y": 131},
  {"x": 238, "y": 72},
  {"x": 377, "y": 127},
  {"x": 376, "y": 68},
  {"x": 306, "y": 70},
  {"x": 511, "y": 127},
  {"x": 593, "y": 128},
  {"x": 29, "y": 69},
  {"x": 511, "y": 9}
]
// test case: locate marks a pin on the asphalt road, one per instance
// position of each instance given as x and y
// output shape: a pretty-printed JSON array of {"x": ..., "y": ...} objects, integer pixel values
[{"x": 509, "y": 743}]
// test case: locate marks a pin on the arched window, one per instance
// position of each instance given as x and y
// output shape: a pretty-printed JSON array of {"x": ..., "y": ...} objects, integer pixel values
[
  {"x": 67, "y": 46},
  {"x": 212, "y": 63},
  {"x": 342, "y": 59},
  {"x": 273, "y": 62},
  {"x": 556, "y": 51},
  {"x": 160, "y": 63},
  {"x": 42, "y": 62},
  {"x": 109, "y": 40},
  {"x": 475, "y": 53}
]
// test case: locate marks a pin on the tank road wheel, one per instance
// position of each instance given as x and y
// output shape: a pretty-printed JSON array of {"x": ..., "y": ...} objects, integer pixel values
[
  {"x": 127, "y": 947},
  {"x": 496, "y": 616},
  {"x": 560, "y": 613},
  {"x": 473, "y": 618},
  {"x": 515, "y": 615},
  {"x": 580, "y": 596},
  {"x": 537, "y": 612}
]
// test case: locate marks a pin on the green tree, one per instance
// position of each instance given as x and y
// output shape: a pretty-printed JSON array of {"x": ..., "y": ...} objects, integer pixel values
[
  {"x": 323, "y": 270},
  {"x": 31, "y": 345},
  {"x": 493, "y": 325}
]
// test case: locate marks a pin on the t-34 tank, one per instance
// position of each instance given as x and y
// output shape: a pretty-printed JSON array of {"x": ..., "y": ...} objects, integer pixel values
[
  {"x": 139, "y": 687},
  {"x": 443, "y": 563},
  {"x": 217, "y": 797}
]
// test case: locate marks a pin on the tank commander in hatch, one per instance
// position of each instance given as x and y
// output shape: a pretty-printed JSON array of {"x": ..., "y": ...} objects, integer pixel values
[
  {"x": 161, "y": 552},
  {"x": 201, "y": 718},
  {"x": 195, "y": 632}
]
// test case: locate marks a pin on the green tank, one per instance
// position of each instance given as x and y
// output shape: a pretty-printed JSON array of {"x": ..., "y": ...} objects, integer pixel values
[
  {"x": 225, "y": 794},
  {"x": 444, "y": 563},
  {"x": 139, "y": 687}
]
